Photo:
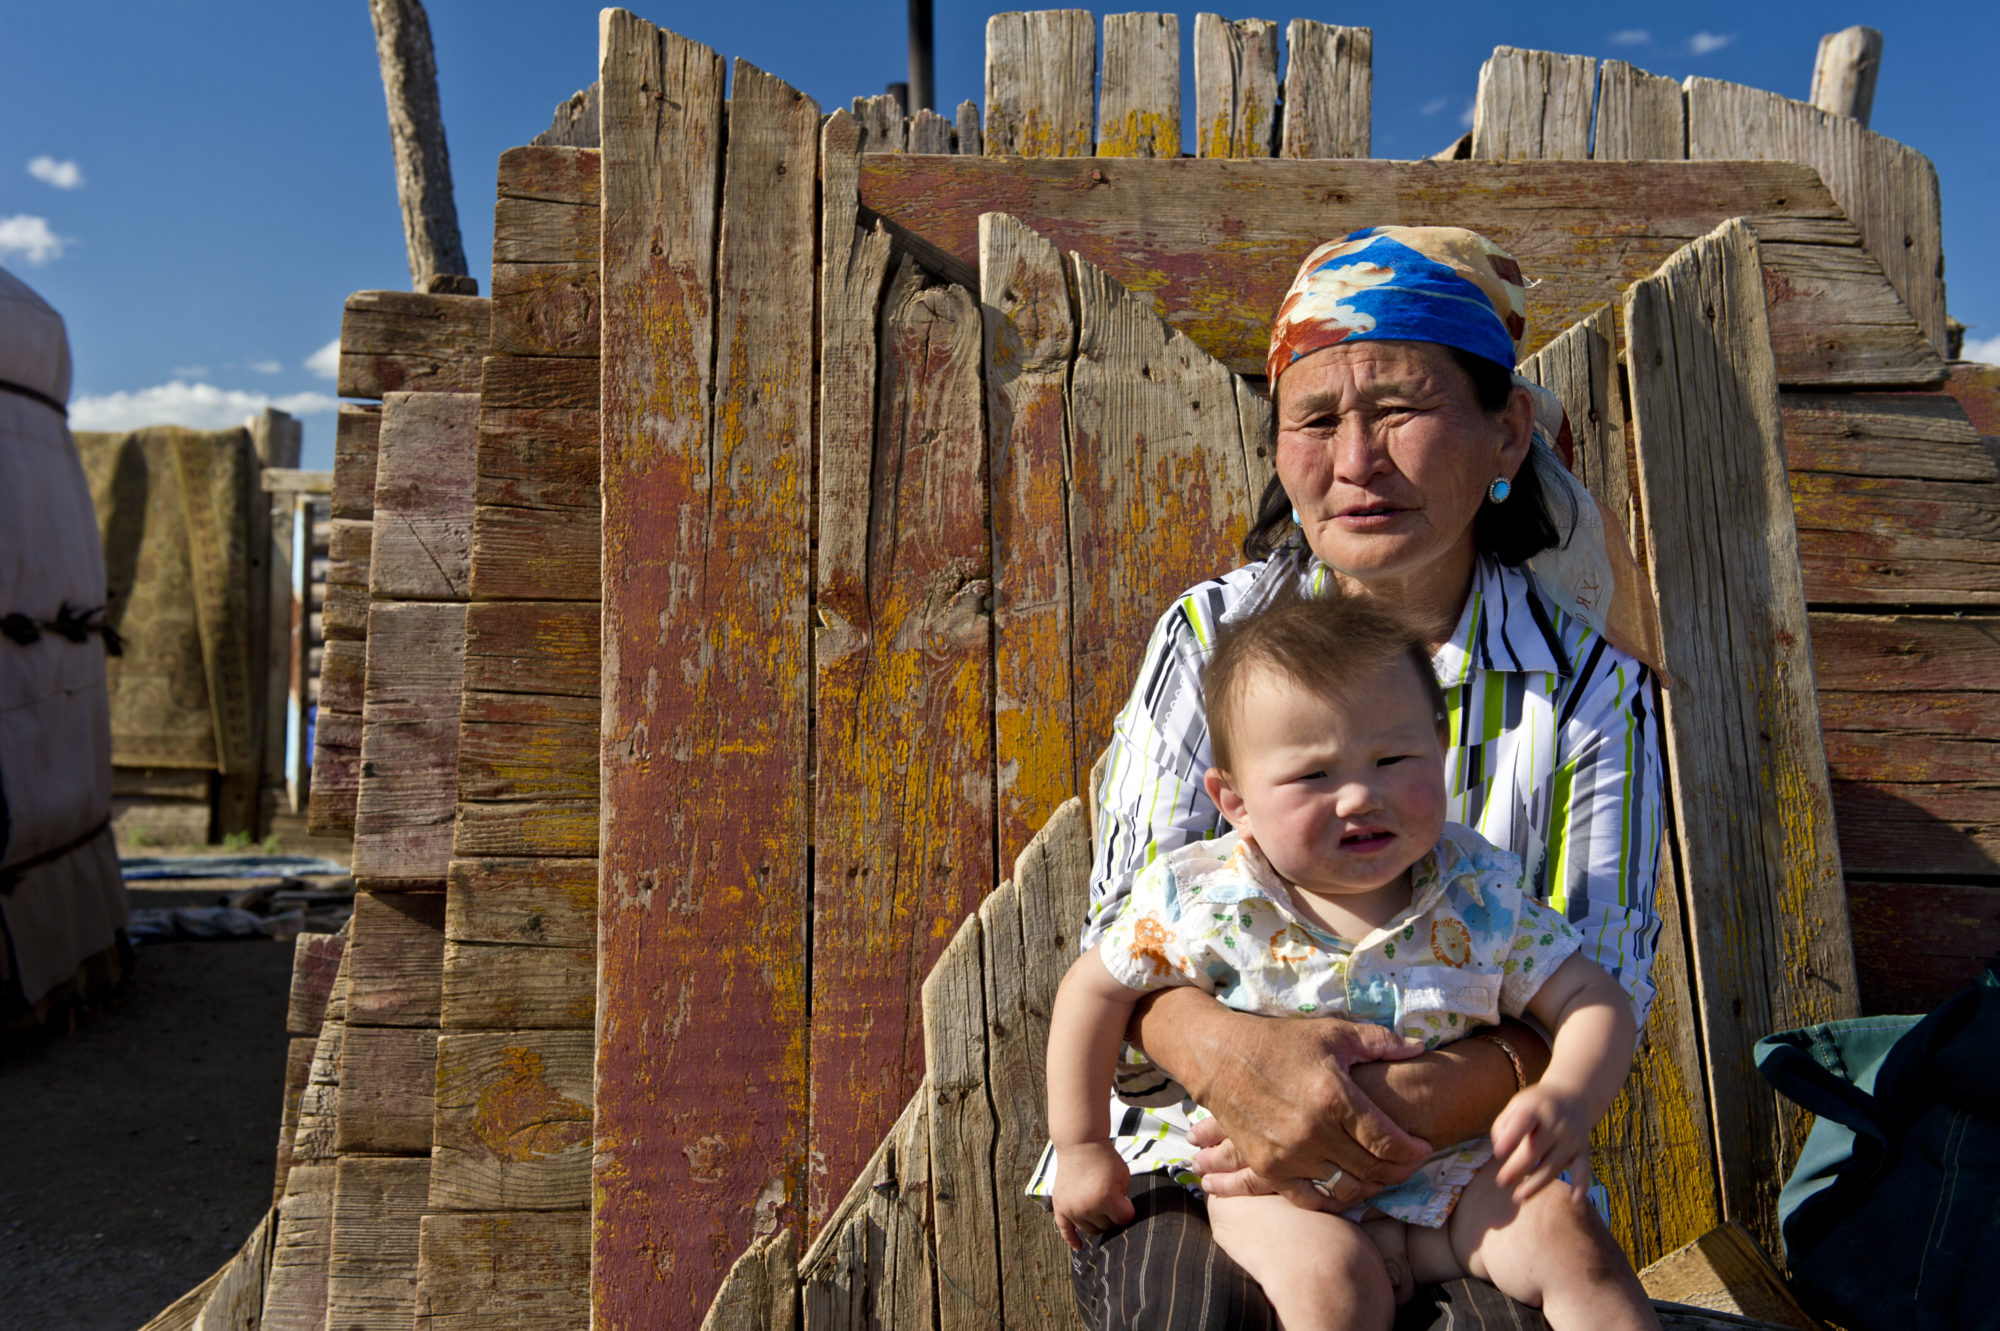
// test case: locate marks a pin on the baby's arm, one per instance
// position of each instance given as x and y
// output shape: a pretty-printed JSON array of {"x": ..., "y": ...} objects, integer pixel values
[
  {"x": 1085, "y": 1030},
  {"x": 1545, "y": 1128}
]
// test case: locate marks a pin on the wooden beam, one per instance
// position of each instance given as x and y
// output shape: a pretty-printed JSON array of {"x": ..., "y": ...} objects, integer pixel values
[
  {"x": 416, "y": 130},
  {"x": 1041, "y": 83},
  {"x": 539, "y": 647},
  {"x": 371, "y": 1274},
  {"x": 1329, "y": 90},
  {"x": 528, "y": 1270},
  {"x": 1752, "y": 807},
  {"x": 388, "y": 1091},
  {"x": 393, "y": 951},
  {"x": 1151, "y": 225},
  {"x": 513, "y": 1125},
  {"x": 1916, "y": 943},
  {"x": 406, "y": 341},
  {"x": 409, "y": 741},
  {"x": 421, "y": 535}
]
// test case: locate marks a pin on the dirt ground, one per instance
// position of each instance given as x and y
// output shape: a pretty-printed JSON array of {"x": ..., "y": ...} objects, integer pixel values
[{"x": 136, "y": 1154}]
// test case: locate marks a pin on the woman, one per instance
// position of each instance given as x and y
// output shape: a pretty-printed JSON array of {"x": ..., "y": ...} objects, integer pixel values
[{"x": 1411, "y": 466}]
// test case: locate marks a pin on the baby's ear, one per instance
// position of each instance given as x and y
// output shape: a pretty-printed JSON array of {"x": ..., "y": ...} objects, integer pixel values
[{"x": 1222, "y": 791}]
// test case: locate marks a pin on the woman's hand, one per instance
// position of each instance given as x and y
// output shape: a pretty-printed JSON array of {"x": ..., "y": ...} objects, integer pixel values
[{"x": 1281, "y": 1092}]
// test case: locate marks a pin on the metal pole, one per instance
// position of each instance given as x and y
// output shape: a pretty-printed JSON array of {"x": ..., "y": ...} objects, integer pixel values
[{"x": 921, "y": 45}]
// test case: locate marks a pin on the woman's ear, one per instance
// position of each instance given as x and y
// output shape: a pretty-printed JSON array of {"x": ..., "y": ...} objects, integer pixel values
[
  {"x": 1223, "y": 792},
  {"x": 1518, "y": 423}
]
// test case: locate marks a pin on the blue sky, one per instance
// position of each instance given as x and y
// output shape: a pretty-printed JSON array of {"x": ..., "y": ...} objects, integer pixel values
[{"x": 198, "y": 184}]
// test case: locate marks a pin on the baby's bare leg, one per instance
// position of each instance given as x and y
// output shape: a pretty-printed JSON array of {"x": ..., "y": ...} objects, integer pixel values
[
  {"x": 1320, "y": 1272},
  {"x": 1550, "y": 1251}
]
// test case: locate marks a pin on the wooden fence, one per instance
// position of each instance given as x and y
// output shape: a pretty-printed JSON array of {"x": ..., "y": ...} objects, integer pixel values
[{"x": 872, "y": 584}]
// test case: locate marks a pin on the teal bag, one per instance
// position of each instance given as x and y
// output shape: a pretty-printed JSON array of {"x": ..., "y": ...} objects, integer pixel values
[{"x": 1889, "y": 1217}]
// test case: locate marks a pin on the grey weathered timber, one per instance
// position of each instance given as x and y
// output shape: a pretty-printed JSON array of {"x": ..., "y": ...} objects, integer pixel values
[
  {"x": 1145, "y": 404},
  {"x": 962, "y": 1131},
  {"x": 1766, "y": 913},
  {"x": 513, "y": 1121},
  {"x": 1640, "y": 116},
  {"x": 1235, "y": 86},
  {"x": 525, "y": 1270},
  {"x": 1844, "y": 71},
  {"x": 416, "y": 131},
  {"x": 971, "y": 141},
  {"x": 761, "y": 1291},
  {"x": 1030, "y": 334},
  {"x": 1041, "y": 83},
  {"x": 391, "y": 962},
  {"x": 882, "y": 125},
  {"x": 387, "y": 1091},
  {"x": 411, "y": 342},
  {"x": 574, "y": 124},
  {"x": 1329, "y": 90},
  {"x": 1533, "y": 105},
  {"x": 295, "y": 1291},
  {"x": 1577, "y": 367},
  {"x": 870, "y": 1265},
  {"x": 930, "y": 132},
  {"x": 1889, "y": 190},
  {"x": 409, "y": 741},
  {"x": 371, "y": 1276},
  {"x": 1139, "y": 111},
  {"x": 421, "y": 546}
]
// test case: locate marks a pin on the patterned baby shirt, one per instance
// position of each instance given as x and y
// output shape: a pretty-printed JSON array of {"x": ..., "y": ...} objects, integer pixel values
[{"x": 1472, "y": 947}]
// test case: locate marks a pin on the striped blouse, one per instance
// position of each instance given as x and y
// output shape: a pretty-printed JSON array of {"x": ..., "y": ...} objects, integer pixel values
[{"x": 1553, "y": 754}]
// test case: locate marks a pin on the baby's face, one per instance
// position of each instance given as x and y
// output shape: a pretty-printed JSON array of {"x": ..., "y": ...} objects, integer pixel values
[{"x": 1341, "y": 796}]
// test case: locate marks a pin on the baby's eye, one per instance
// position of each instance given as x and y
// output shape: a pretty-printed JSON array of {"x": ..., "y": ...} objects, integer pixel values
[
  {"x": 1319, "y": 775},
  {"x": 1392, "y": 759}
]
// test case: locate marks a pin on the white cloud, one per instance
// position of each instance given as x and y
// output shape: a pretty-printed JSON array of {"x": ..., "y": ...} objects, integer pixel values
[
  {"x": 189, "y": 372},
  {"x": 63, "y": 175},
  {"x": 1985, "y": 350},
  {"x": 266, "y": 366},
  {"x": 31, "y": 238},
  {"x": 1435, "y": 105},
  {"x": 1465, "y": 116},
  {"x": 1703, "y": 42},
  {"x": 326, "y": 361},
  {"x": 1631, "y": 37},
  {"x": 197, "y": 406}
]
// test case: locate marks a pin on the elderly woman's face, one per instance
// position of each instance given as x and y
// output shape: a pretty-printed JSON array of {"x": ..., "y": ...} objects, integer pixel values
[{"x": 1387, "y": 456}]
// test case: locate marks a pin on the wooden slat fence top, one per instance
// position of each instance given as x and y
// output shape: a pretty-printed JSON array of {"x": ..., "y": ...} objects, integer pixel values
[
  {"x": 1235, "y": 86},
  {"x": 1753, "y": 811},
  {"x": 1214, "y": 243},
  {"x": 1533, "y": 105},
  {"x": 1329, "y": 90},
  {"x": 1140, "y": 111}
]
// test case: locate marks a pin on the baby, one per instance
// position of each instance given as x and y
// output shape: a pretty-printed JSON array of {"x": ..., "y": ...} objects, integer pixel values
[{"x": 1341, "y": 891}]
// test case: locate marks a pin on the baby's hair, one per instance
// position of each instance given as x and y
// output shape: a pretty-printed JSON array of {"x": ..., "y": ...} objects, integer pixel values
[{"x": 1323, "y": 643}]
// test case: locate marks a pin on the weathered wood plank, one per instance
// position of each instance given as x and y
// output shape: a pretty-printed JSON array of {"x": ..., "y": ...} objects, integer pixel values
[
  {"x": 349, "y": 543},
  {"x": 1533, "y": 106},
  {"x": 407, "y": 341},
  {"x": 546, "y": 309},
  {"x": 506, "y": 987},
  {"x": 1898, "y": 542},
  {"x": 343, "y": 677},
  {"x": 552, "y": 173},
  {"x": 1258, "y": 424},
  {"x": 1329, "y": 90},
  {"x": 883, "y": 129},
  {"x": 903, "y": 703},
  {"x": 1902, "y": 654},
  {"x": 1152, "y": 224},
  {"x": 1235, "y": 86},
  {"x": 530, "y": 383},
  {"x": 971, "y": 140},
  {"x": 1029, "y": 933},
  {"x": 336, "y": 774},
  {"x": 371, "y": 1274},
  {"x": 1890, "y": 191},
  {"x": 513, "y": 1122},
  {"x": 871, "y": 1262},
  {"x": 1752, "y": 808},
  {"x": 421, "y": 535},
  {"x": 1913, "y": 436},
  {"x": 1030, "y": 333},
  {"x": 1927, "y": 827},
  {"x": 537, "y": 231},
  {"x": 1916, "y": 944},
  {"x": 394, "y": 950},
  {"x": 1725, "y": 1271},
  {"x": 539, "y": 903},
  {"x": 319, "y": 1103},
  {"x": 388, "y": 1091},
  {"x": 539, "y": 459},
  {"x": 344, "y": 613},
  {"x": 534, "y": 830},
  {"x": 528, "y": 1270},
  {"x": 1139, "y": 111},
  {"x": 1041, "y": 83},
  {"x": 1844, "y": 71},
  {"x": 1577, "y": 368},
  {"x": 761, "y": 1290},
  {"x": 409, "y": 740},
  {"x": 295, "y": 1293},
  {"x": 530, "y": 554},
  {"x": 930, "y": 132},
  {"x": 962, "y": 1132},
  {"x": 356, "y": 435},
  {"x": 541, "y": 647},
  {"x": 524, "y": 746},
  {"x": 298, "y": 1071},
  {"x": 1640, "y": 116},
  {"x": 705, "y": 676},
  {"x": 1158, "y": 494}
]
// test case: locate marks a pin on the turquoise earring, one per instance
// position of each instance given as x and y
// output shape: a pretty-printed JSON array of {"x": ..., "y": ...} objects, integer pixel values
[
  {"x": 1295, "y": 519},
  {"x": 1500, "y": 489}
]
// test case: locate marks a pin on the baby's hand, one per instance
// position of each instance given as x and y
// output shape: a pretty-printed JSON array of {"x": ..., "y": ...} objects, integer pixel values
[
  {"x": 1543, "y": 1131},
  {"x": 1090, "y": 1193}
]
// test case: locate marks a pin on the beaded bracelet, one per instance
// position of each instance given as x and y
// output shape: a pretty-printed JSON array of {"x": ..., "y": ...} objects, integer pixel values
[{"x": 1507, "y": 1048}]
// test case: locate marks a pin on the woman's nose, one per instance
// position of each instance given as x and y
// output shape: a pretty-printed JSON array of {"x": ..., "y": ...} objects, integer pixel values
[{"x": 1358, "y": 453}]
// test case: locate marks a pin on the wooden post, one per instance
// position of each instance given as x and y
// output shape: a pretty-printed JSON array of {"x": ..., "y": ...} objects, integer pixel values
[
  {"x": 1235, "y": 86},
  {"x": 1140, "y": 113},
  {"x": 1329, "y": 90},
  {"x": 1534, "y": 105},
  {"x": 1844, "y": 72},
  {"x": 416, "y": 130},
  {"x": 1041, "y": 83},
  {"x": 1639, "y": 115}
]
